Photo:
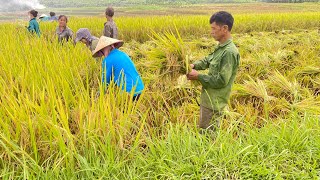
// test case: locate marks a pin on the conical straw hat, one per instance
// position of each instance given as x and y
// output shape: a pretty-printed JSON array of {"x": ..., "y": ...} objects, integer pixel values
[
  {"x": 106, "y": 41},
  {"x": 43, "y": 15}
]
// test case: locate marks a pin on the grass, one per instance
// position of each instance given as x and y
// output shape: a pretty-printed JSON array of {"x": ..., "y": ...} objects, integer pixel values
[
  {"x": 286, "y": 150},
  {"x": 54, "y": 126}
]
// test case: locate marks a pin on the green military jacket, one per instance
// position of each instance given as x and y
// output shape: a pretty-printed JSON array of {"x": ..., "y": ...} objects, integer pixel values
[{"x": 223, "y": 65}]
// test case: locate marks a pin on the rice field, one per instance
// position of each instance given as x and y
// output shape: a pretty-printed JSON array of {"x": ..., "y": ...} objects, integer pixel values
[{"x": 54, "y": 126}]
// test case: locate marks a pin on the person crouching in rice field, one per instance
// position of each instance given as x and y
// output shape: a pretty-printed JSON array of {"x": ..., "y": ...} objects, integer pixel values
[
  {"x": 63, "y": 32},
  {"x": 223, "y": 63},
  {"x": 44, "y": 18},
  {"x": 118, "y": 67},
  {"x": 83, "y": 35},
  {"x": 110, "y": 27},
  {"x": 33, "y": 27}
]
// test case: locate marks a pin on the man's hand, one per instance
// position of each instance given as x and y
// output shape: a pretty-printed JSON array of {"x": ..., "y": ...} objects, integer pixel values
[{"x": 193, "y": 75}]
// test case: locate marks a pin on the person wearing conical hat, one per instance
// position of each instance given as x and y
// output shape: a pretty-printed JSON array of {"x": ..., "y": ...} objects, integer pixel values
[
  {"x": 44, "y": 17},
  {"x": 83, "y": 35},
  {"x": 118, "y": 67}
]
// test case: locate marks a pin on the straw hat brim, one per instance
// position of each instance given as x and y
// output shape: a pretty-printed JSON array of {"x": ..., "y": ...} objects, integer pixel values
[{"x": 106, "y": 41}]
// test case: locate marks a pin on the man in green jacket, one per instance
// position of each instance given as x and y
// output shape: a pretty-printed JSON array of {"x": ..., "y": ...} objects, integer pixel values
[{"x": 223, "y": 65}]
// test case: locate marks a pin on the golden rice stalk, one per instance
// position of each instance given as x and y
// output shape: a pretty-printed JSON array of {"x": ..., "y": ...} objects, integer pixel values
[
  {"x": 310, "y": 105},
  {"x": 186, "y": 69}
]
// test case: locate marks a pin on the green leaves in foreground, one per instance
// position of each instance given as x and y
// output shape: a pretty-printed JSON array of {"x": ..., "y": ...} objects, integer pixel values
[{"x": 288, "y": 150}]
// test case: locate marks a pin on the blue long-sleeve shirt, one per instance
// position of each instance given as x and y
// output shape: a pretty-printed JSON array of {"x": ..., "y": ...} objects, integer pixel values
[{"x": 118, "y": 67}]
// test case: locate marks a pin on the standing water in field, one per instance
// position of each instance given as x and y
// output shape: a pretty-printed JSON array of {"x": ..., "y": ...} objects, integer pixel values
[{"x": 19, "y": 5}]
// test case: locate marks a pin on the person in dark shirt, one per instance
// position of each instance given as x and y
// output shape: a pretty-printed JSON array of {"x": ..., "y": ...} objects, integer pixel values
[
  {"x": 53, "y": 16},
  {"x": 63, "y": 32},
  {"x": 110, "y": 27}
]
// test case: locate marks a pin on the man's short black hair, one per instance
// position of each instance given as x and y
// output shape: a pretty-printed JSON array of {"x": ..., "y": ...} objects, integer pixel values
[
  {"x": 110, "y": 11},
  {"x": 222, "y": 18}
]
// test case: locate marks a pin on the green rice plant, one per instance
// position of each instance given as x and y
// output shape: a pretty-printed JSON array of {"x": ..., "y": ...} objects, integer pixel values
[{"x": 187, "y": 68}]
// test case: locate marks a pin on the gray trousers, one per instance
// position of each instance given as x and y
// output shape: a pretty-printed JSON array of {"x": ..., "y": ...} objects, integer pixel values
[{"x": 209, "y": 119}]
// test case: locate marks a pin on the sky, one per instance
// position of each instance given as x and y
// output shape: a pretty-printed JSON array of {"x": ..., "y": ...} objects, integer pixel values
[{"x": 17, "y": 5}]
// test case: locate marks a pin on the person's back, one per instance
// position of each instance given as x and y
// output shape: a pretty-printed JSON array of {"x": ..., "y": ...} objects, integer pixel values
[
  {"x": 53, "y": 17},
  {"x": 47, "y": 18},
  {"x": 110, "y": 27},
  {"x": 119, "y": 65},
  {"x": 44, "y": 18}
]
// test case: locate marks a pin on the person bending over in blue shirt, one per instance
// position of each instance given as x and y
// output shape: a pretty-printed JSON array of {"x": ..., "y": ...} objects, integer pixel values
[{"x": 118, "y": 67}]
